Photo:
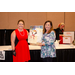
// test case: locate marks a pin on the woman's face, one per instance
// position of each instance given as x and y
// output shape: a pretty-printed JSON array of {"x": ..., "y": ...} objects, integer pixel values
[
  {"x": 20, "y": 25},
  {"x": 47, "y": 26},
  {"x": 62, "y": 27}
]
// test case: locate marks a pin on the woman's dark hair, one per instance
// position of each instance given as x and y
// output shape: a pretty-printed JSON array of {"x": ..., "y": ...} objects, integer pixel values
[
  {"x": 21, "y": 21},
  {"x": 44, "y": 30}
]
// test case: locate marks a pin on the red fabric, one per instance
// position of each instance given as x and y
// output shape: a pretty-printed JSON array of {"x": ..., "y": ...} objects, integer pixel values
[
  {"x": 61, "y": 39},
  {"x": 22, "y": 48}
]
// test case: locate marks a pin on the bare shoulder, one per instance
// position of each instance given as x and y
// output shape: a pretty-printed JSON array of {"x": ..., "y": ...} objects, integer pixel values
[{"x": 13, "y": 32}]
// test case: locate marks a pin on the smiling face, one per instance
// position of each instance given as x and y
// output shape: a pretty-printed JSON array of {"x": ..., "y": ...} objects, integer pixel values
[
  {"x": 47, "y": 26},
  {"x": 20, "y": 25}
]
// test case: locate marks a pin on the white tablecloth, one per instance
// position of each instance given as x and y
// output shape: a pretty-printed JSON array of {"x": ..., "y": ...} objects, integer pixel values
[{"x": 32, "y": 47}]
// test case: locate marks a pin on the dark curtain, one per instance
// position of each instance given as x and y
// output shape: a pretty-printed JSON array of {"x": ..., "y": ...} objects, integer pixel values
[
  {"x": 2, "y": 39},
  {"x": 5, "y": 35}
]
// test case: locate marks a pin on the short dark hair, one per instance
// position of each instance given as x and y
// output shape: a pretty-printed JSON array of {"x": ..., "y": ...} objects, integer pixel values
[{"x": 21, "y": 21}]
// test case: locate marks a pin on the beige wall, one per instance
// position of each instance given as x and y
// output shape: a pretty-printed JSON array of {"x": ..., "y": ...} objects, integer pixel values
[
  {"x": 4, "y": 20},
  {"x": 8, "y": 20},
  {"x": 70, "y": 21},
  {"x": 55, "y": 17},
  {"x": 35, "y": 18}
]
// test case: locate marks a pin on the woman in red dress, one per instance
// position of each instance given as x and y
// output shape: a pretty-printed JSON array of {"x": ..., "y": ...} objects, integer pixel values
[{"x": 19, "y": 44}]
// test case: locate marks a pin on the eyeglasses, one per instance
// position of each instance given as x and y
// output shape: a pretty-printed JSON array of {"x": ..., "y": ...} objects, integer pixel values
[{"x": 21, "y": 24}]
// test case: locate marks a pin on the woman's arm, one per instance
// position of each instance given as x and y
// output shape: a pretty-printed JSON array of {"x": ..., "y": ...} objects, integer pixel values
[
  {"x": 61, "y": 35},
  {"x": 51, "y": 39},
  {"x": 13, "y": 35}
]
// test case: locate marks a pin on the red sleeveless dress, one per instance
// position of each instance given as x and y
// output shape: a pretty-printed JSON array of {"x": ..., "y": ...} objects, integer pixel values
[{"x": 21, "y": 48}]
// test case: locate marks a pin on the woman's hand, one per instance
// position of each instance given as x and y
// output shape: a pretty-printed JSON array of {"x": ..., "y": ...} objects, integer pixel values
[
  {"x": 14, "y": 53},
  {"x": 40, "y": 44}
]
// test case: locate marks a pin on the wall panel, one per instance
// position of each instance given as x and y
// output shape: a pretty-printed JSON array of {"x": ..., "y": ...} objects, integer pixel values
[
  {"x": 36, "y": 18},
  {"x": 14, "y": 17},
  {"x": 4, "y": 20},
  {"x": 69, "y": 21},
  {"x": 55, "y": 17},
  {"x": 8, "y": 20}
]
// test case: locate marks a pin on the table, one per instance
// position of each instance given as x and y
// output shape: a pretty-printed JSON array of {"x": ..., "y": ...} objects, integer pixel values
[{"x": 64, "y": 52}]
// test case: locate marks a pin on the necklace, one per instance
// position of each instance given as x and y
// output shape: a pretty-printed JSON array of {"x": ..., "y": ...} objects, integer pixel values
[{"x": 20, "y": 32}]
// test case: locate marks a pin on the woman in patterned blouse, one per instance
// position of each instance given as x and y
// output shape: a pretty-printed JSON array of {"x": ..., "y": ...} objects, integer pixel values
[{"x": 48, "y": 50}]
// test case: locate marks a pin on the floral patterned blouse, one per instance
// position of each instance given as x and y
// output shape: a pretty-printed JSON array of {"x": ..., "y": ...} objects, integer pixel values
[{"x": 49, "y": 49}]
